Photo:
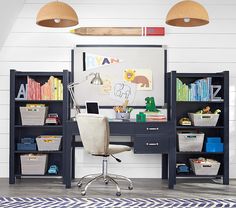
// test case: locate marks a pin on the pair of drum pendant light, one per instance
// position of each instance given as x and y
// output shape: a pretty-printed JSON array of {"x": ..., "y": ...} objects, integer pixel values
[{"x": 186, "y": 13}]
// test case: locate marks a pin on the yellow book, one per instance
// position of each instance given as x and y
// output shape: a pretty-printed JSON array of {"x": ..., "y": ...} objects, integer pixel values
[
  {"x": 51, "y": 85},
  {"x": 55, "y": 88},
  {"x": 59, "y": 89}
]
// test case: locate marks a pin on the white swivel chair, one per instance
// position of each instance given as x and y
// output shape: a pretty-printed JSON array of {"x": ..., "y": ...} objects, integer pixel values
[{"x": 94, "y": 133}]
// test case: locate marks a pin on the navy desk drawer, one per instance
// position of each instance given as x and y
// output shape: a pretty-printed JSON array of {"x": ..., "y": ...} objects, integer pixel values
[
  {"x": 153, "y": 127},
  {"x": 150, "y": 144}
]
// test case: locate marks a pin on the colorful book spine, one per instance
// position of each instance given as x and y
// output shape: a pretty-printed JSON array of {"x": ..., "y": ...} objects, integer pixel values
[
  {"x": 51, "y": 90},
  {"x": 200, "y": 90}
]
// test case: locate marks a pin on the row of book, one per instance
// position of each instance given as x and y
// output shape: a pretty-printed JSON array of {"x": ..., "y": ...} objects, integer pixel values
[
  {"x": 51, "y": 90},
  {"x": 200, "y": 90}
]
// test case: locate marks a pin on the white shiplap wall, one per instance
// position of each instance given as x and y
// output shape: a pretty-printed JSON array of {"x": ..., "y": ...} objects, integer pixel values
[
  {"x": 210, "y": 48},
  {"x": 12, "y": 7}
]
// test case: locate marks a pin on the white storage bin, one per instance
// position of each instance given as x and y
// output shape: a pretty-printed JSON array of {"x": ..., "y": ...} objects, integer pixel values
[
  {"x": 205, "y": 168},
  {"x": 33, "y": 115},
  {"x": 34, "y": 164},
  {"x": 48, "y": 142},
  {"x": 190, "y": 142},
  {"x": 204, "y": 119}
]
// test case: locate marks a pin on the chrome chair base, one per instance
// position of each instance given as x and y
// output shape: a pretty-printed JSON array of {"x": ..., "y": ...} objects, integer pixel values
[{"x": 106, "y": 178}]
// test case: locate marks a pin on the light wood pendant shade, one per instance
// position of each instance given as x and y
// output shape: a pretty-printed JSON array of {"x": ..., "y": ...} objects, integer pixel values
[
  {"x": 57, "y": 14},
  {"x": 187, "y": 14}
]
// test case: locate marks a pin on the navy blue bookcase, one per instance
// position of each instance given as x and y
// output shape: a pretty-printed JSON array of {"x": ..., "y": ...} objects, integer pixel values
[
  {"x": 18, "y": 131},
  {"x": 182, "y": 108}
]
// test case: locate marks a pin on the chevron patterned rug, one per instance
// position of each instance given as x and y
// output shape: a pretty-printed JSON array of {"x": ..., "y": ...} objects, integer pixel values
[{"x": 58, "y": 202}]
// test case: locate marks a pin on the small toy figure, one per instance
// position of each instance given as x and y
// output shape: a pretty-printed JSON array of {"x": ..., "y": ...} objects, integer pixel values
[
  {"x": 150, "y": 104},
  {"x": 53, "y": 169},
  {"x": 217, "y": 111},
  {"x": 141, "y": 117},
  {"x": 182, "y": 168},
  {"x": 185, "y": 122},
  {"x": 207, "y": 110}
]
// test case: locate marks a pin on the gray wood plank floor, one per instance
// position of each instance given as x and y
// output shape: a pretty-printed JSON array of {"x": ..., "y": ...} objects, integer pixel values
[{"x": 143, "y": 188}]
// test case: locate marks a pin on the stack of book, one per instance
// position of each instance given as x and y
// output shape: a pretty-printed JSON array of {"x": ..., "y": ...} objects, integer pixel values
[
  {"x": 200, "y": 90},
  {"x": 51, "y": 90},
  {"x": 155, "y": 116}
]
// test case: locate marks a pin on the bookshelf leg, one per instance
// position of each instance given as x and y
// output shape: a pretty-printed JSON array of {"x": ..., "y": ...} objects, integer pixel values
[
  {"x": 12, "y": 180},
  {"x": 172, "y": 175},
  {"x": 164, "y": 166},
  {"x": 226, "y": 180}
]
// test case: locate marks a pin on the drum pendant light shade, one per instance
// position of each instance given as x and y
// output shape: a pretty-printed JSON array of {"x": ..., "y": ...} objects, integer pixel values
[
  {"x": 57, "y": 14},
  {"x": 187, "y": 14}
]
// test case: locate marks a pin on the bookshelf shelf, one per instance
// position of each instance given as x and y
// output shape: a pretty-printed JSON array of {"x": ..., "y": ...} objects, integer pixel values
[
  {"x": 35, "y": 175},
  {"x": 38, "y": 126},
  {"x": 199, "y": 75},
  {"x": 181, "y": 108},
  {"x": 38, "y": 101},
  {"x": 191, "y": 102},
  {"x": 37, "y": 74},
  {"x": 197, "y": 176},
  {"x": 199, "y": 153},
  {"x": 19, "y": 131},
  {"x": 199, "y": 127},
  {"x": 38, "y": 152}
]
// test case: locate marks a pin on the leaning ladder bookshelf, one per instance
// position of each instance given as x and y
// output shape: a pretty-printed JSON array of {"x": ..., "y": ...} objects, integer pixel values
[
  {"x": 17, "y": 130},
  {"x": 182, "y": 108}
]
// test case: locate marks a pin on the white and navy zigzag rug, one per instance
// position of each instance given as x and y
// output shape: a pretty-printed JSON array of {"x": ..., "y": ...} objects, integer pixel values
[{"x": 59, "y": 202}]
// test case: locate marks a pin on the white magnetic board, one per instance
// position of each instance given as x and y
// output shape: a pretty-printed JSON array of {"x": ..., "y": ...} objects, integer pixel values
[{"x": 133, "y": 71}]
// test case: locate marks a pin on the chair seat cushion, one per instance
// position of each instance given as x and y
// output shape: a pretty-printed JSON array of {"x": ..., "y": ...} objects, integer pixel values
[{"x": 114, "y": 148}]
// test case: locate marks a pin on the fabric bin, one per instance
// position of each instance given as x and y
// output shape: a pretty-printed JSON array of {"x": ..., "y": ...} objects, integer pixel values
[
  {"x": 48, "y": 142},
  {"x": 214, "y": 147},
  {"x": 204, "y": 119},
  {"x": 26, "y": 146},
  {"x": 33, "y": 115},
  {"x": 34, "y": 164},
  {"x": 205, "y": 168},
  {"x": 28, "y": 140},
  {"x": 190, "y": 142},
  {"x": 213, "y": 139}
]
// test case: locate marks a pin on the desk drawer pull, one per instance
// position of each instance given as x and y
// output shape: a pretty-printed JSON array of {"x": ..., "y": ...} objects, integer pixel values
[
  {"x": 152, "y": 144},
  {"x": 152, "y": 129}
]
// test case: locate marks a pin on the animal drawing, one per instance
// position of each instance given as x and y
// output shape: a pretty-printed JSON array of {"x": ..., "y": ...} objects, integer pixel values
[
  {"x": 106, "y": 86},
  {"x": 129, "y": 75},
  {"x": 122, "y": 90}
]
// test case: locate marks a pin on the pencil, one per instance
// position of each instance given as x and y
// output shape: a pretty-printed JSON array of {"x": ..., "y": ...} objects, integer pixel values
[{"x": 120, "y": 31}]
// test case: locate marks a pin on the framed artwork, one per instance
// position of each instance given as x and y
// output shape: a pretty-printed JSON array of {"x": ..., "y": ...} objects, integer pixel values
[{"x": 128, "y": 72}]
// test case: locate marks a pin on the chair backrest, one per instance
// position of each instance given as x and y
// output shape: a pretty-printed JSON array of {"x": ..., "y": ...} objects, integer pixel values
[{"x": 94, "y": 133}]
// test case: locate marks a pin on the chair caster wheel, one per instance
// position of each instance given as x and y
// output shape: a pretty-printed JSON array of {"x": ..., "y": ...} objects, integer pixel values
[
  {"x": 118, "y": 193},
  {"x": 79, "y": 184},
  {"x": 130, "y": 187},
  {"x": 106, "y": 181},
  {"x": 83, "y": 193}
]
